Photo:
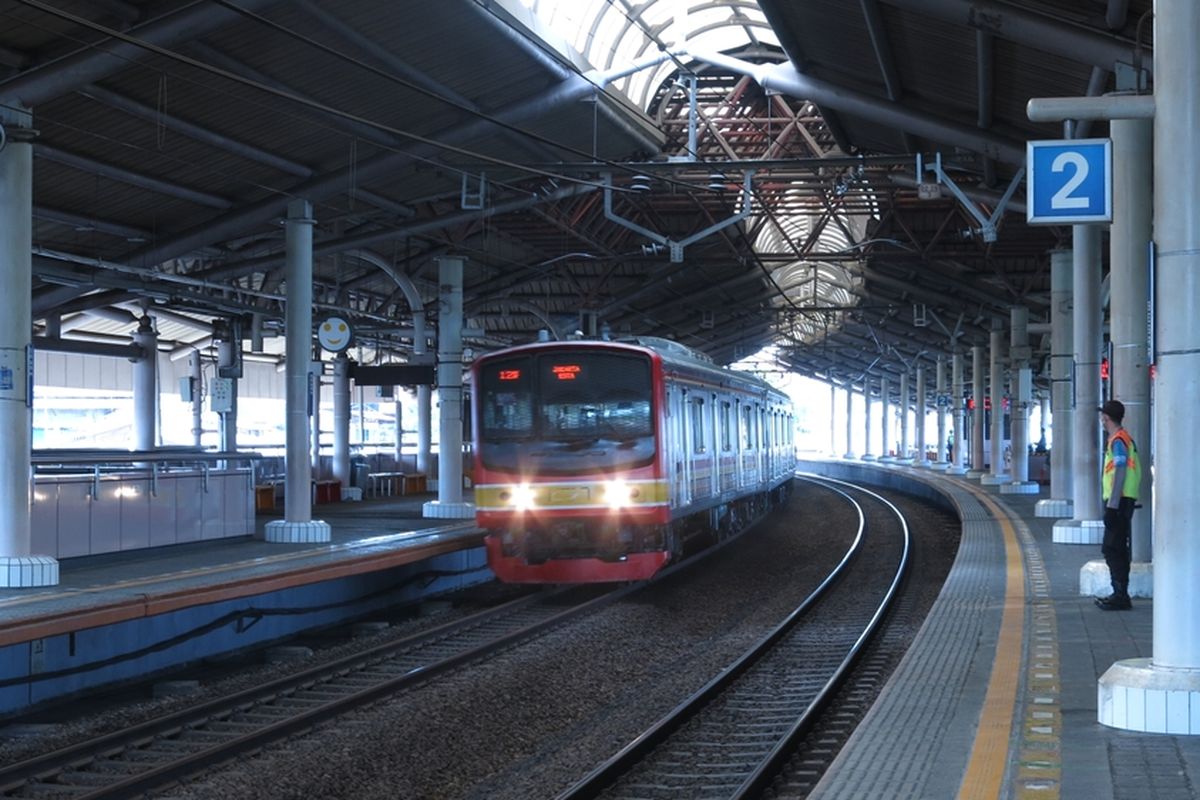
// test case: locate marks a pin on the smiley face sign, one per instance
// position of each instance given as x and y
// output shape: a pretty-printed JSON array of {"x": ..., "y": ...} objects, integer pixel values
[{"x": 334, "y": 334}]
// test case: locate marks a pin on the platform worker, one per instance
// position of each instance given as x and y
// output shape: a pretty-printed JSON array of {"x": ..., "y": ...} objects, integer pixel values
[{"x": 1119, "y": 487}]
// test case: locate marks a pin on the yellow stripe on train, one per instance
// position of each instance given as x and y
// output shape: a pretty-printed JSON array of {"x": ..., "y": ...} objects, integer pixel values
[{"x": 571, "y": 495}]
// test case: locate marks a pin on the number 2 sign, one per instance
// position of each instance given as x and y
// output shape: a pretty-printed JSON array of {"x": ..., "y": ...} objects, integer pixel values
[{"x": 1069, "y": 181}]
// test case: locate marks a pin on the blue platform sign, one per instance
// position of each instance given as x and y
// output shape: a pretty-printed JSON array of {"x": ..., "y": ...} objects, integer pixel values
[{"x": 1069, "y": 181}]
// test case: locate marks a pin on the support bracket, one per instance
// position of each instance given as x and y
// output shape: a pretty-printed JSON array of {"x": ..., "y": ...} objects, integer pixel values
[{"x": 987, "y": 224}]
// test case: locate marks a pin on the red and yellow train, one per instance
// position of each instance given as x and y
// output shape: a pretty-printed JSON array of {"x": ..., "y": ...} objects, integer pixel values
[{"x": 596, "y": 461}]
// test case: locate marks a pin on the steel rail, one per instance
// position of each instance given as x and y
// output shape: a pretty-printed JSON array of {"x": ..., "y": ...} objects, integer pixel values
[{"x": 606, "y": 776}]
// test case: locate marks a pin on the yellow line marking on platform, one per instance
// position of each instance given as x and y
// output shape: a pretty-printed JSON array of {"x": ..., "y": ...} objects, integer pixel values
[{"x": 984, "y": 778}]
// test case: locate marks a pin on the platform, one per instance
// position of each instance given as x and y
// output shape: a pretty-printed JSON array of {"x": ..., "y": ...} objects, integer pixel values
[
  {"x": 122, "y": 615},
  {"x": 997, "y": 696}
]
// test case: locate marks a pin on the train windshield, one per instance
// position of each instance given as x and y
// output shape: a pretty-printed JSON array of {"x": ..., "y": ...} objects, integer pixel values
[{"x": 567, "y": 412}]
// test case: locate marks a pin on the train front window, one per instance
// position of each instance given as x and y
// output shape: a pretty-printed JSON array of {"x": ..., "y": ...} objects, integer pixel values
[
  {"x": 594, "y": 396},
  {"x": 567, "y": 412}
]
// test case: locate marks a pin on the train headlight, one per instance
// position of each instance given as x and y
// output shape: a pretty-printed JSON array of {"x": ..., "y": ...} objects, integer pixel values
[
  {"x": 522, "y": 497},
  {"x": 618, "y": 494}
]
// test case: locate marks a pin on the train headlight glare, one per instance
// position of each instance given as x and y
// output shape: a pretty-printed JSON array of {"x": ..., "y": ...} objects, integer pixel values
[
  {"x": 522, "y": 497},
  {"x": 617, "y": 494}
]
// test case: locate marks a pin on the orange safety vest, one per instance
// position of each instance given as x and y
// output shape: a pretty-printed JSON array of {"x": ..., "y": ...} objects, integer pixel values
[{"x": 1133, "y": 467}]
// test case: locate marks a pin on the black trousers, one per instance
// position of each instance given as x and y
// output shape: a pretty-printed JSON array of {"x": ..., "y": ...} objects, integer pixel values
[{"x": 1116, "y": 547}]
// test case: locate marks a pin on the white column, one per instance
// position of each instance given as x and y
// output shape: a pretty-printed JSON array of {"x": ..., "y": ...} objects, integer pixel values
[
  {"x": 227, "y": 357},
  {"x": 298, "y": 524},
  {"x": 903, "y": 455},
  {"x": 316, "y": 369},
  {"x": 978, "y": 387},
  {"x": 885, "y": 420},
  {"x": 1170, "y": 681},
  {"x": 922, "y": 413},
  {"x": 145, "y": 386},
  {"x": 397, "y": 393},
  {"x": 341, "y": 420},
  {"x": 939, "y": 400},
  {"x": 958, "y": 464},
  {"x": 997, "y": 473},
  {"x": 1062, "y": 347},
  {"x": 849, "y": 420},
  {"x": 424, "y": 399},
  {"x": 449, "y": 504},
  {"x": 197, "y": 401},
  {"x": 1086, "y": 525},
  {"x": 832, "y": 419},
  {"x": 868, "y": 453},
  {"x": 18, "y": 568},
  {"x": 1021, "y": 393},
  {"x": 1129, "y": 238}
]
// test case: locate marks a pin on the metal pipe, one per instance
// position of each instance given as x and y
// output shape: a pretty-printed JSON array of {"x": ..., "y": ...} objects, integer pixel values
[
  {"x": 316, "y": 368},
  {"x": 59, "y": 345},
  {"x": 1104, "y": 107}
]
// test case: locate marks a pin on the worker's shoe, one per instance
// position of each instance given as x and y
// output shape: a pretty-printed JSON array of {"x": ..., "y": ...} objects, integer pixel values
[{"x": 1114, "y": 602}]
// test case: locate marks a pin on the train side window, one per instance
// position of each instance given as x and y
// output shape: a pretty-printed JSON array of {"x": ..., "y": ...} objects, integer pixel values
[
  {"x": 747, "y": 427},
  {"x": 726, "y": 427},
  {"x": 699, "y": 436}
]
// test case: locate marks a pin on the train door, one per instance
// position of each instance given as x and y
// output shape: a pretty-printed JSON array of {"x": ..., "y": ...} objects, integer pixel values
[{"x": 681, "y": 451}]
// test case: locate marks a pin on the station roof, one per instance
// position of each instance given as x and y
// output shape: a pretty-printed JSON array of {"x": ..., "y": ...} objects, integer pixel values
[{"x": 173, "y": 135}]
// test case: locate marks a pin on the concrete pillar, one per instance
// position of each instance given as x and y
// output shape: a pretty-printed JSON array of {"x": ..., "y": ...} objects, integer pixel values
[
  {"x": 997, "y": 472},
  {"x": 958, "y": 465},
  {"x": 18, "y": 568},
  {"x": 868, "y": 452},
  {"x": 885, "y": 420},
  {"x": 1062, "y": 348},
  {"x": 940, "y": 400},
  {"x": 978, "y": 387},
  {"x": 849, "y": 421},
  {"x": 1130, "y": 236},
  {"x": 298, "y": 524},
  {"x": 1021, "y": 395},
  {"x": 197, "y": 403},
  {"x": 832, "y": 419},
  {"x": 397, "y": 393},
  {"x": 902, "y": 407},
  {"x": 922, "y": 413},
  {"x": 227, "y": 357},
  {"x": 1086, "y": 525},
  {"x": 316, "y": 369},
  {"x": 424, "y": 398},
  {"x": 341, "y": 419},
  {"x": 145, "y": 386},
  {"x": 449, "y": 504},
  {"x": 1170, "y": 680}
]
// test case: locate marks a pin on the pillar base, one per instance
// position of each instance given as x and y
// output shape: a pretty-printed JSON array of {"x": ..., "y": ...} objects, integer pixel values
[
  {"x": 850, "y": 456},
  {"x": 27, "y": 572},
  {"x": 1054, "y": 508},
  {"x": 976, "y": 474},
  {"x": 953, "y": 470},
  {"x": 1135, "y": 695},
  {"x": 993, "y": 480},
  {"x": 939, "y": 466},
  {"x": 280, "y": 531},
  {"x": 435, "y": 509},
  {"x": 868, "y": 457},
  {"x": 1095, "y": 580},
  {"x": 887, "y": 459},
  {"x": 1074, "y": 531},
  {"x": 1020, "y": 487},
  {"x": 906, "y": 461}
]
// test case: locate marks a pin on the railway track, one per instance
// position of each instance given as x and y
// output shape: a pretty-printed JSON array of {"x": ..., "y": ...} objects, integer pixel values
[
  {"x": 730, "y": 739},
  {"x": 168, "y": 749}
]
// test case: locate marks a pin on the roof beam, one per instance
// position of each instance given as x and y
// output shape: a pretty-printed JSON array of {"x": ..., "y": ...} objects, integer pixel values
[
  {"x": 98, "y": 60},
  {"x": 113, "y": 172}
]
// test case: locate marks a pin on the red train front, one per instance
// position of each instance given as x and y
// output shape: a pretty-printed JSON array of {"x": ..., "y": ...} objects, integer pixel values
[{"x": 569, "y": 467}]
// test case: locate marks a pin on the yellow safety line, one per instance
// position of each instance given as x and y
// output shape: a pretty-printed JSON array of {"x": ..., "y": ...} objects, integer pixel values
[{"x": 984, "y": 777}]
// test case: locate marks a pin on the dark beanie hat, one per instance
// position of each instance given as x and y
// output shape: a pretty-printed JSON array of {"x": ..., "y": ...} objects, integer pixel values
[{"x": 1114, "y": 410}]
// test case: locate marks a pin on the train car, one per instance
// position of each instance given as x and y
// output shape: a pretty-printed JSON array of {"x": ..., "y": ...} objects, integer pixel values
[{"x": 596, "y": 461}]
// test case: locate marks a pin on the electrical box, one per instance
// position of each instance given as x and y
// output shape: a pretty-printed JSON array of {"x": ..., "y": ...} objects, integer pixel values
[
  {"x": 221, "y": 395},
  {"x": 186, "y": 390}
]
